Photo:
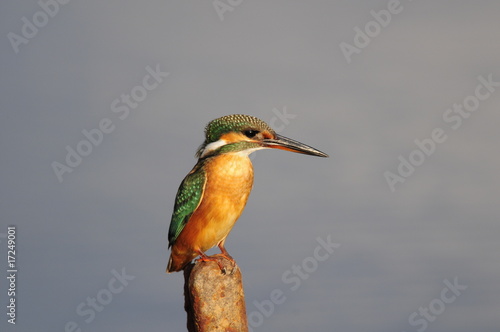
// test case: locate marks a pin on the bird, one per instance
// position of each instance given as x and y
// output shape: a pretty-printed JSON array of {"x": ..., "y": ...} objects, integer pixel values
[{"x": 214, "y": 193}]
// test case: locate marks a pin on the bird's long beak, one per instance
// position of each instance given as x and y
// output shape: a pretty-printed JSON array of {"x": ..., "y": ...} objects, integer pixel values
[{"x": 287, "y": 144}]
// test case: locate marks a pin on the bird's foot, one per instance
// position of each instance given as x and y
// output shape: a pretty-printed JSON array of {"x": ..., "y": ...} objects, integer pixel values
[
  {"x": 226, "y": 255},
  {"x": 229, "y": 264},
  {"x": 225, "y": 262}
]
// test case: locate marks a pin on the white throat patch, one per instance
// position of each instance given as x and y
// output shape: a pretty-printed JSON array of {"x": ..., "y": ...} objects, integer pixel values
[
  {"x": 217, "y": 144},
  {"x": 212, "y": 147}
]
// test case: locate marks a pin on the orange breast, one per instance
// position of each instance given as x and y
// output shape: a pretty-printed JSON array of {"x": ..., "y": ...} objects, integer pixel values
[{"x": 229, "y": 182}]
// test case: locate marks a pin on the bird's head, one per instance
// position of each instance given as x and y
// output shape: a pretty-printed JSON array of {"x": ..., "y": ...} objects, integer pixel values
[{"x": 245, "y": 134}]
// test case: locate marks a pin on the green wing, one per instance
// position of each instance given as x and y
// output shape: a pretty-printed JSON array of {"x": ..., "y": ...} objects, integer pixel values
[{"x": 187, "y": 200}]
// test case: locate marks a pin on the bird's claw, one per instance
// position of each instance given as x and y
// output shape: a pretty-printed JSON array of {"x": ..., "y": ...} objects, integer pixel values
[{"x": 223, "y": 260}]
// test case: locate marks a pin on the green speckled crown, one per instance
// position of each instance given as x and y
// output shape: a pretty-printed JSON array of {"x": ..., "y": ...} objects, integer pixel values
[{"x": 235, "y": 122}]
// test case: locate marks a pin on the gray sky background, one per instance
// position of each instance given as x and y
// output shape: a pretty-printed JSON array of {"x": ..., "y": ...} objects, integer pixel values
[{"x": 112, "y": 211}]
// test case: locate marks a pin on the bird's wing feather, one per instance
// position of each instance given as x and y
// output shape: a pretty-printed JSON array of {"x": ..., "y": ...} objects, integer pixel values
[{"x": 187, "y": 201}]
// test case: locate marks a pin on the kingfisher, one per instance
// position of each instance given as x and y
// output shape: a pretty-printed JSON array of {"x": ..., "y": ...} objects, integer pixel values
[{"x": 213, "y": 195}]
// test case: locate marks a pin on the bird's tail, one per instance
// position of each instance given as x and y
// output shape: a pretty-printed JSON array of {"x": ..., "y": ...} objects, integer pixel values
[
  {"x": 172, "y": 267},
  {"x": 177, "y": 261}
]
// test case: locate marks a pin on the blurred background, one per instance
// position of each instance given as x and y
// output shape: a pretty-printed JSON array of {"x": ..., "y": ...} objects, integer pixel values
[{"x": 103, "y": 105}]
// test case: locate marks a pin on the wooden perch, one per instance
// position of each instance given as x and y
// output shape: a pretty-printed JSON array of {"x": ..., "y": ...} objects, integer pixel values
[{"x": 214, "y": 301}]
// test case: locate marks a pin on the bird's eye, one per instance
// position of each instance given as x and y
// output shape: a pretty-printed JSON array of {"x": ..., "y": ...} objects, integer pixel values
[{"x": 250, "y": 133}]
